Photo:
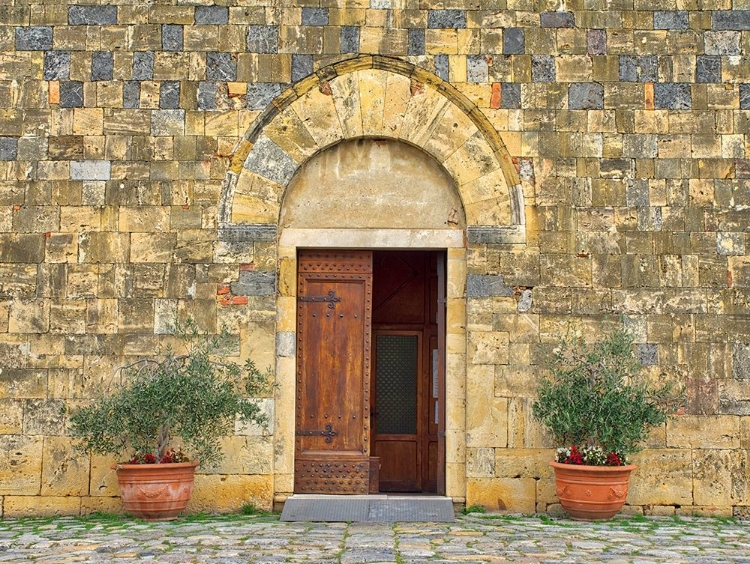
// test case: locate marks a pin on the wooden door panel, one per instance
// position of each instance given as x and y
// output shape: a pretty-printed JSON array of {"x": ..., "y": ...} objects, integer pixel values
[
  {"x": 398, "y": 472},
  {"x": 333, "y": 372}
]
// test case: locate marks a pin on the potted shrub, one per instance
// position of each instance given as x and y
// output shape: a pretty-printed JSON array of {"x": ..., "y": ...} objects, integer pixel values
[
  {"x": 599, "y": 405},
  {"x": 158, "y": 406}
]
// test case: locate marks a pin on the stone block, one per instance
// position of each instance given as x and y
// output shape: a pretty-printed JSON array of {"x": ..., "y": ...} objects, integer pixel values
[
  {"x": 71, "y": 94},
  {"x": 143, "y": 65},
  {"x": 92, "y": 15},
  {"x": 102, "y": 65},
  {"x": 542, "y": 68},
  {"x": 167, "y": 122},
  {"x": 671, "y": 20},
  {"x": 477, "y": 69},
  {"x": 221, "y": 66},
  {"x": 557, "y": 19},
  {"x": 663, "y": 477},
  {"x": 672, "y": 96},
  {"x": 514, "y": 41},
  {"x": 11, "y": 414},
  {"x": 259, "y": 95},
  {"x": 169, "y": 95},
  {"x": 34, "y": 38},
  {"x": 90, "y": 170},
  {"x": 585, "y": 96},
  {"x": 20, "y": 466},
  {"x": 262, "y": 38},
  {"x": 57, "y": 65},
  {"x": 480, "y": 462},
  {"x": 488, "y": 347},
  {"x": 314, "y": 16},
  {"x": 707, "y": 69},
  {"x": 446, "y": 19},
  {"x": 442, "y": 66},
  {"x": 722, "y": 43},
  {"x": 8, "y": 148},
  {"x": 302, "y": 65},
  {"x": 738, "y": 20},
  {"x": 18, "y": 507},
  {"x": 516, "y": 495},
  {"x": 211, "y": 15},
  {"x": 269, "y": 161},
  {"x": 223, "y": 493},
  {"x": 172, "y": 37},
  {"x": 712, "y": 477},
  {"x": 65, "y": 472},
  {"x": 416, "y": 42}
]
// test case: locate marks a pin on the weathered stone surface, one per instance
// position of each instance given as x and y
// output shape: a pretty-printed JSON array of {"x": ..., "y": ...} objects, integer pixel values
[
  {"x": 143, "y": 65},
  {"x": 92, "y": 15},
  {"x": 57, "y": 65},
  {"x": 263, "y": 38},
  {"x": 211, "y": 15},
  {"x": 671, "y": 20},
  {"x": 35, "y": 38},
  {"x": 516, "y": 495},
  {"x": 221, "y": 66},
  {"x": 672, "y": 96},
  {"x": 542, "y": 68},
  {"x": 514, "y": 41},
  {"x": 730, "y": 20},
  {"x": 314, "y": 16},
  {"x": 451, "y": 19},
  {"x": 557, "y": 19},
  {"x": 259, "y": 95},
  {"x": 416, "y": 42},
  {"x": 230, "y": 493},
  {"x": 20, "y": 465},
  {"x": 585, "y": 96}
]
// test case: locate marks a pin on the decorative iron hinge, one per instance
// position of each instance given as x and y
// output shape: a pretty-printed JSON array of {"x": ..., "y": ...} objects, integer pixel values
[
  {"x": 328, "y": 433},
  {"x": 331, "y": 298}
]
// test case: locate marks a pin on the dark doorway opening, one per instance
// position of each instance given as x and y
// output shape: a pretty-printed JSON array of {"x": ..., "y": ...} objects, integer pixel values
[{"x": 407, "y": 384}]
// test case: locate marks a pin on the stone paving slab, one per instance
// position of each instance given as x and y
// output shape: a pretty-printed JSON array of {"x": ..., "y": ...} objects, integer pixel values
[{"x": 474, "y": 538}]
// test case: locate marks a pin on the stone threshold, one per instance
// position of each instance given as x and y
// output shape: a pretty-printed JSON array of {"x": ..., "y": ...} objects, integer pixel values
[{"x": 376, "y": 508}]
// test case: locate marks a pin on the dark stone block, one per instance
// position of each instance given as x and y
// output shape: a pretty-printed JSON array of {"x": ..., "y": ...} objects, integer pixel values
[
  {"x": 510, "y": 96},
  {"x": 416, "y": 42},
  {"x": 143, "y": 65},
  {"x": 672, "y": 96},
  {"x": 102, "y": 65},
  {"x": 648, "y": 354},
  {"x": 708, "y": 69},
  {"x": 314, "y": 16},
  {"x": 741, "y": 361},
  {"x": 207, "y": 92},
  {"x": 131, "y": 94},
  {"x": 487, "y": 286},
  {"x": 302, "y": 65},
  {"x": 169, "y": 95},
  {"x": 628, "y": 68},
  {"x": 349, "y": 39},
  {"x": 441, "y": 66},
  {"x": 172, "y": 37},
  {"x": 253, "y": 232},
  {"x": 735, "y": 20},
  {"x": 260, "y": 94},
  {"x": 221, "y": 66},
  {"x": 596, "y": 41},
  {"x": 263, "y": 38},
  {"x": 71, "y": 94},
  {"x": 57, "y": 65},
  {"x": 255, "y": 283},
  {"x": 271, "y": 161},
  {"x": 557, "y": 19},
  {"x": 586, "y": 96},
  {"x": 639, "y": 69},
  {"x": 34, "y": 38},
  {"x": 648, "y": 68},
  {"x": 92, "y": 15},
  {"x": 211, "y": 15},
  {"x": 514, "y": 41},
  {"x": 745, "y": 96},
  {"x": 446, "y": 19},
  {"x": 542, "y": 68},
  {"x": 8, "y": 148},
  {"x": 670, "y": 20}
]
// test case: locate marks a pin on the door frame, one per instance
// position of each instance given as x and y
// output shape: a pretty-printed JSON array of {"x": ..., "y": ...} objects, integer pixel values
[{"x": 454, "y": 412}]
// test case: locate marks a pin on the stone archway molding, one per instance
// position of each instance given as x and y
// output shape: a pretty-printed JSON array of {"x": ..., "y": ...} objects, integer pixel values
[{"x": 376, "y": 97}]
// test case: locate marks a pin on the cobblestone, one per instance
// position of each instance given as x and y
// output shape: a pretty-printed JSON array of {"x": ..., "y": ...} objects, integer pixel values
[{"x": 472, "y": 538}]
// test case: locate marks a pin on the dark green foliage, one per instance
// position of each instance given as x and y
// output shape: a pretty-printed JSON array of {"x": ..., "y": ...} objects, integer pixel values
[
  {"x": 193, "y": 396},
  {"x": 598, "y": 397}
]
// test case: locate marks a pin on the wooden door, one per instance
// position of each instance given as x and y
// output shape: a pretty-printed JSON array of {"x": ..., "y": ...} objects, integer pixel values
[{"x": 334, "y": 305}]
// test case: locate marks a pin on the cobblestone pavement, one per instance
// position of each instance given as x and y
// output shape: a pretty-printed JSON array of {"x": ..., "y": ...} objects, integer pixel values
[{"x": 473, "y": 538}]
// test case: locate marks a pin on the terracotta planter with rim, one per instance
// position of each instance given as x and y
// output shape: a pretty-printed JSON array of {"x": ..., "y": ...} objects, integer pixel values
[
  {"x": 592, "y": 493},
  {"x": 156, "y": 492}
]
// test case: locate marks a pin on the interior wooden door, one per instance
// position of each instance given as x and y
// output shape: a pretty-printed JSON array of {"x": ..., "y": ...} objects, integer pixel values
[{"x": 334, "y": 320}]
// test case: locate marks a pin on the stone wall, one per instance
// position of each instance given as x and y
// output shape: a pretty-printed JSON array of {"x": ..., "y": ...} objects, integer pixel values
[{"x": 627, "y": 126}]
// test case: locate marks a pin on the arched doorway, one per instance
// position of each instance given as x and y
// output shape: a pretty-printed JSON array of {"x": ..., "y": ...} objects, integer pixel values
[{"x": 377, "y": 98}]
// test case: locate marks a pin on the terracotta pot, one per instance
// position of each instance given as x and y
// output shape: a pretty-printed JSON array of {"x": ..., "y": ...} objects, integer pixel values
[
  {"x": 156, "y": 492},
  {"x": 591, "y": 493}
]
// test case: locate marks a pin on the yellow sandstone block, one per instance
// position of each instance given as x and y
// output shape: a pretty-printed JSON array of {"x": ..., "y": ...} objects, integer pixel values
[{"x": 516, "y": 495}]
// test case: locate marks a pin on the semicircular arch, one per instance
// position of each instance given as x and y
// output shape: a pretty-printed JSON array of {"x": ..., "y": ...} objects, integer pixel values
[{"x": 374, "y": 97}]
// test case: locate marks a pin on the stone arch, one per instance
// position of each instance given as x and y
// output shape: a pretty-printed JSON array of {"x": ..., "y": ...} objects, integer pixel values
[{"x": 376, "y": 97}]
